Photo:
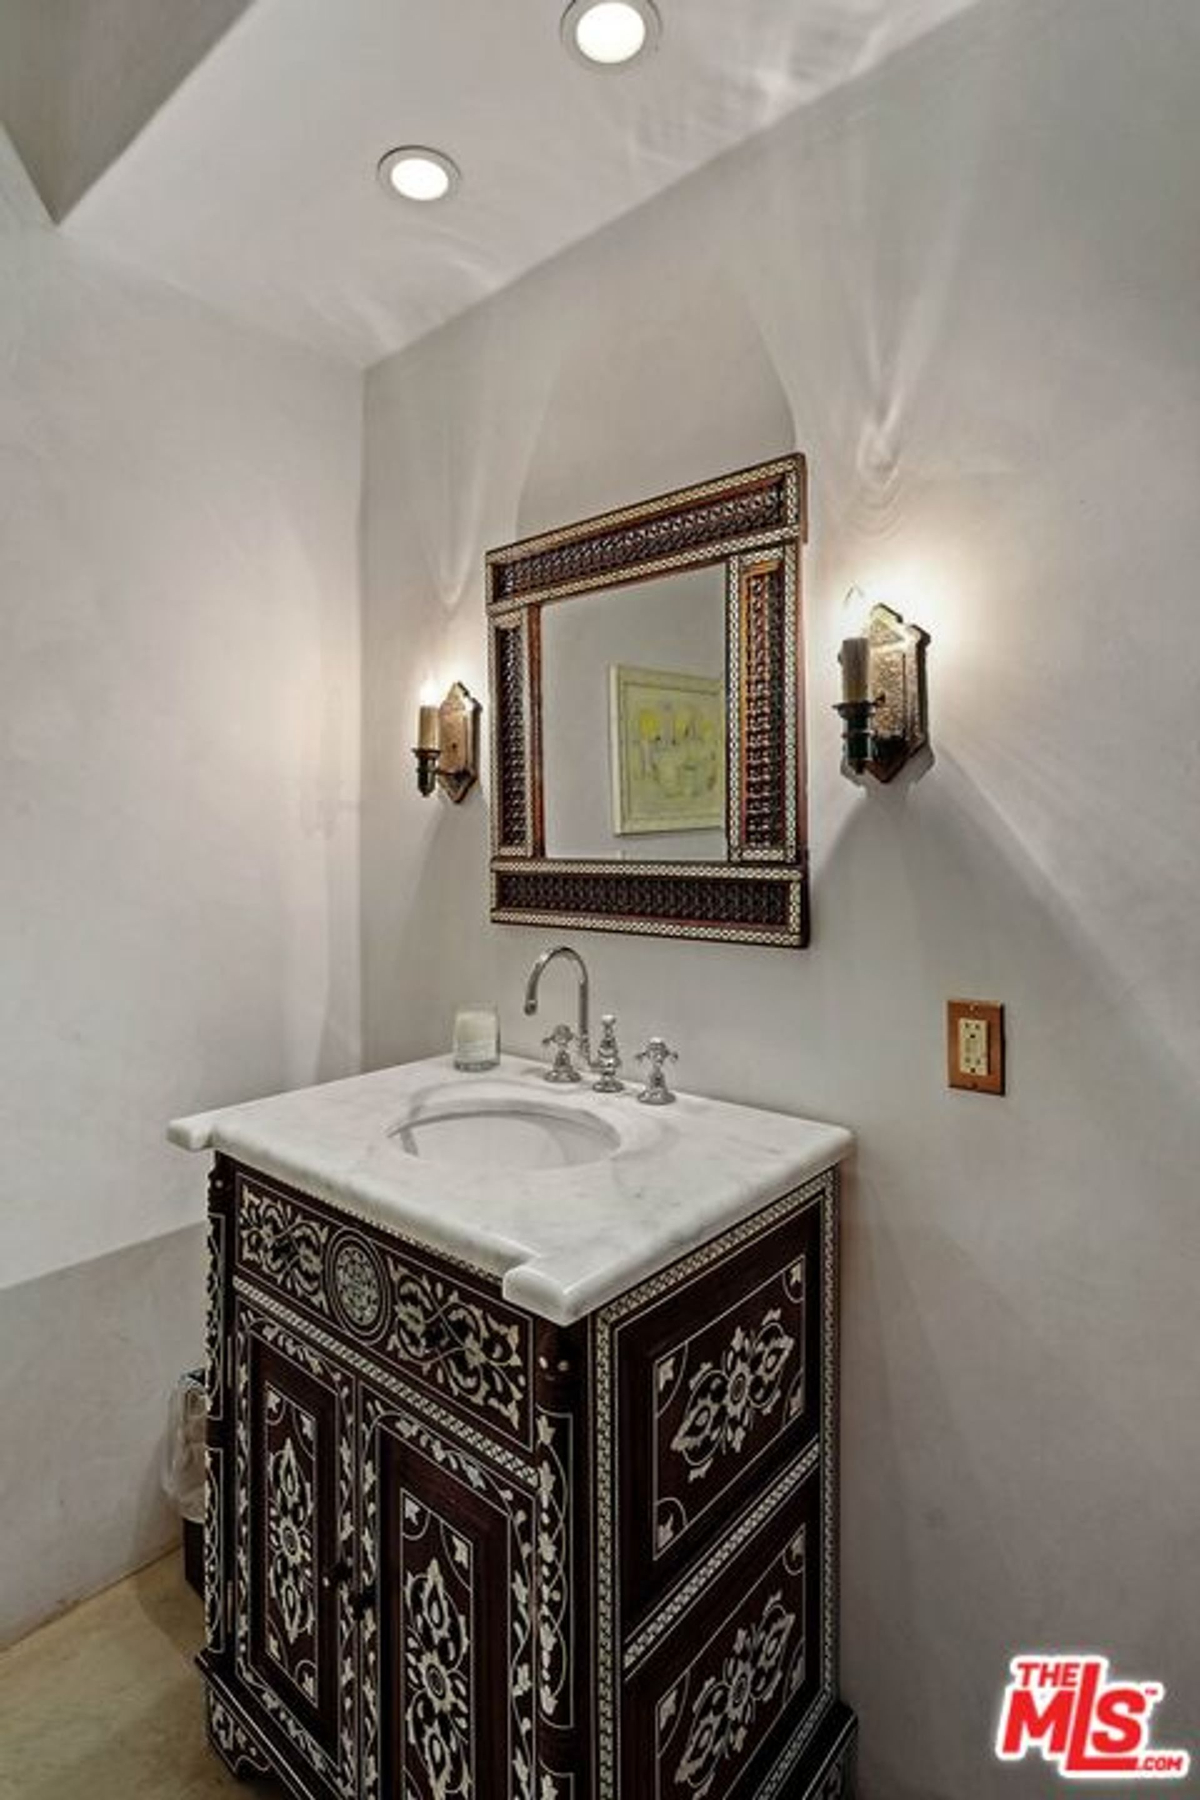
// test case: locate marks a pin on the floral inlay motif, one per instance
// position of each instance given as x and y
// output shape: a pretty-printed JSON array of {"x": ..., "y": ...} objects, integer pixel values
[
  {"x": 285, "y": 1244},
  {"x": 553, "y": 1548},
  {"x": 724, "y": 1397},
  {"x": 307, "y": 1667},
  {"x": 357, "y": 1284},
  {"x": 214, "y": 1338},
  {"x": 290, "y": 1572},
  {"x": 214, "y": 1605},
  {"x": 726, "y": 1706},
  {"x": 519, "y": 1782},
  {"x": 436, "y": 1651},
  {"x": 458, "y": 1345},
  {"x": 242, "y": 1756}
]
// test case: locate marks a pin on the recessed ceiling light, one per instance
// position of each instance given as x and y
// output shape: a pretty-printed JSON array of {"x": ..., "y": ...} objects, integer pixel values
[
  {"x": 609, "y": 34},
  {"x": 417, "y": 173}
]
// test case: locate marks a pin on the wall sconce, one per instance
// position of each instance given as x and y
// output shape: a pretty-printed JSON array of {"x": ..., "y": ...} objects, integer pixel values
[
  {"x": 883, "y": 700},
  {"x": 447, "y": 747}
]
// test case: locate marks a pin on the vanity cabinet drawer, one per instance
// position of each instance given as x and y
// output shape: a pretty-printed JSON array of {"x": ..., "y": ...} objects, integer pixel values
[
  {"x": 718, "y": 1384},
  {"x": 722, "y": 1703},
  {"x": 442, "y": 1327}
]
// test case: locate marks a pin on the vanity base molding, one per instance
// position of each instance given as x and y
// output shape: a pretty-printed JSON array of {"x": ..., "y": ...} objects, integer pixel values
[
  {"x": 828, "y": 1774},
  {"x": 453, "y": 1549},
  {"x": 829, "y": 1766},
  {"x": 235, "y": 1742}
]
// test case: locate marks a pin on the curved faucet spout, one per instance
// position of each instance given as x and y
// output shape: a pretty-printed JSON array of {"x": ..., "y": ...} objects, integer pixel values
[{"x": 539, "y": 968}]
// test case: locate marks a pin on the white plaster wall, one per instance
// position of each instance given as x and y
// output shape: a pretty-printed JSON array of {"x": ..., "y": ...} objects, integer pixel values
[
  {"x": 179, "y": 729},
  {"x": 968, "y": 288},
  {"x": 87, "y": 1358}
]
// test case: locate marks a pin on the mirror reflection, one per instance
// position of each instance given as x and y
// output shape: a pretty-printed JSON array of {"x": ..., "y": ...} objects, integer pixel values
[{"x": 634, "y": 721}]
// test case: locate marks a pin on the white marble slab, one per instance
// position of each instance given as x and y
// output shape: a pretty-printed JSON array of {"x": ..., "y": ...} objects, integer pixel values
[{"x": 562, "y": 1241}]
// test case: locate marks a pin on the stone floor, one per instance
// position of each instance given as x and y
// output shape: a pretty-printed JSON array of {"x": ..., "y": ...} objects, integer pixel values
[{"x": 105, "y": 1703}]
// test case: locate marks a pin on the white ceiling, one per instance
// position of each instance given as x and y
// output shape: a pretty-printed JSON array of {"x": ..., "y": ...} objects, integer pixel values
[{"x": 254, "y": 186}]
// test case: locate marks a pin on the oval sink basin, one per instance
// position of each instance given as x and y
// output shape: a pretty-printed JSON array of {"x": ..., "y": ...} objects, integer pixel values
[{"x": 504, "y": 1134}]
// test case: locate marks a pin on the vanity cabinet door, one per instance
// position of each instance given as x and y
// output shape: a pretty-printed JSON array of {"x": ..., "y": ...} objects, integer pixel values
[
  {"x": 294, "y": 1555},
  {"x": 447, "y": 1645}
]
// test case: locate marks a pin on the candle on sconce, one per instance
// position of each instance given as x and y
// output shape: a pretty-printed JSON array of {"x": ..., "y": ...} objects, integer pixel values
[
  {"x": 856, "y": 664},
  {"x": 428, "y": 737}
]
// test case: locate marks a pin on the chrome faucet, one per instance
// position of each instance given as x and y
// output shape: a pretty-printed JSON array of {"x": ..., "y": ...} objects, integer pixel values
[{"x": 583, "y": 1028}]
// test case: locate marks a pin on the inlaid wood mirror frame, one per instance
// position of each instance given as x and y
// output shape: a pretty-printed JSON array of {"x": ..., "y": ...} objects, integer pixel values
[{"x": 753, "y": 523}]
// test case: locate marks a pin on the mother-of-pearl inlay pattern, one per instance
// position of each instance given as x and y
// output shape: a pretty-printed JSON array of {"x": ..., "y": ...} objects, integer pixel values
[
  {"x": 725, "y": 1396},
  {"x": 553, "y": 1570},
  {"x": 285, "y": 1243},
  {"x": 461, "y": 1347},
  {"x": 357, "y": 1284},
  {"x": 437, "y": 1649},
  {"x": 518, "y": 1780},
  {"x": 290, "y": 1620},
  {"x": 725, "y": 1709},
  {"x": 334, "y": 1761}
]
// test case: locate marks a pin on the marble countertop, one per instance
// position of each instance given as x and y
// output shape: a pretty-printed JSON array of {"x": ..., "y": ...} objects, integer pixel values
[{"x": 562, "y": 1241}]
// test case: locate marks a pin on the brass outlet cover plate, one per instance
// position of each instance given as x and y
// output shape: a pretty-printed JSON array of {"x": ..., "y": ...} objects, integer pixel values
[{"x": 990, "y": 1014}]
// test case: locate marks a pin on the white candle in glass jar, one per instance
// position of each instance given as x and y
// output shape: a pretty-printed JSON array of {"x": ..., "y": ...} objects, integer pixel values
[{"x": 476, "y": 1037}]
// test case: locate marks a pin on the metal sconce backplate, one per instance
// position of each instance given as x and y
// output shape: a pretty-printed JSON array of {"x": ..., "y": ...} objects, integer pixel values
[
  {"x": 900, "y": 721},
  {"x": 458, "y": 733}
]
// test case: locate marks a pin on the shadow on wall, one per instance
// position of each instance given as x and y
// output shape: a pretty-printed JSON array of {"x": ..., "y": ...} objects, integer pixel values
[{"x": 1016, "y": 1401}]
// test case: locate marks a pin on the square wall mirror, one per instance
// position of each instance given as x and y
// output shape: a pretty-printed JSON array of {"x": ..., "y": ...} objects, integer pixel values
[{"x": 647, "y": 717}]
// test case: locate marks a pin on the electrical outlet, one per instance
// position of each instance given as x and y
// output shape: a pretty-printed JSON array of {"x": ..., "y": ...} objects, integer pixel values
[{"x": 975, "y": 1045}]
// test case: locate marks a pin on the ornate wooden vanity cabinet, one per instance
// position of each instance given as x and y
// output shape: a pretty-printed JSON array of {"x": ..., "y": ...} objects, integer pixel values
[{"x": 453, "y": 1549}]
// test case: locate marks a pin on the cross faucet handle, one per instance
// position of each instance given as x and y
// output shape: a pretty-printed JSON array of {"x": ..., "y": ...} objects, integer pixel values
[
  {"x": 657, "y": 1053},
  {"x": 562, "y": 1069}
]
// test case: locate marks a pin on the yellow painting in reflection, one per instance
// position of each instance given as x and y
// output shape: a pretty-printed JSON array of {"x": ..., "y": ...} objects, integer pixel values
[{"x": 667, "y": 750}]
